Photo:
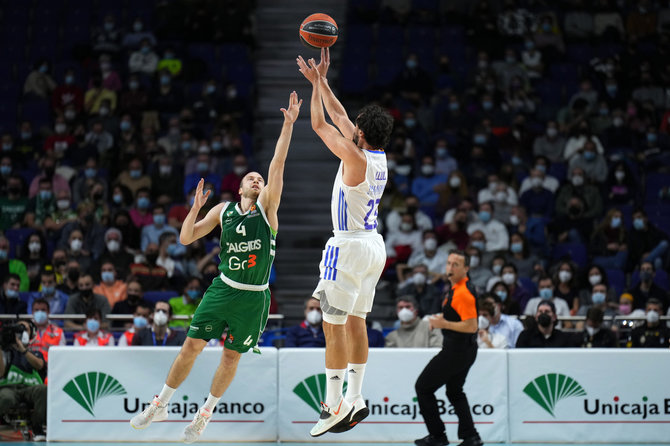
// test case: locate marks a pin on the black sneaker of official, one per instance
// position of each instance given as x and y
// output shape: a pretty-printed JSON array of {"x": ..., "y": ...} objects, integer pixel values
[
  {"x": 430, "y": 440},
  {"x": 472, "y": 441}
]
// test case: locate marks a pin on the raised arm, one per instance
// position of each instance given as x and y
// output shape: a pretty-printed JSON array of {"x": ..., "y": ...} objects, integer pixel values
[
  {"x": 343, "y": 148},
  {"x": 271, "y": 194},
  {"x": 192, "y": 231},
  {"x": 334, "y": 107}
]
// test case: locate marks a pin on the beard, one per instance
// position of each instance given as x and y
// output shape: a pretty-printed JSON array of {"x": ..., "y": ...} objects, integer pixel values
[{"x": 355, "y": 139}]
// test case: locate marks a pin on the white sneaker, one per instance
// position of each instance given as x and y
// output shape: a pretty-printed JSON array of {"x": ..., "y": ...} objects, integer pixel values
[
  {"x": 192, "y": 431},
  {"x": 359, "y": 412},
  {"x": 156, "y": 411},
  {"x": 331, "y": 416}
]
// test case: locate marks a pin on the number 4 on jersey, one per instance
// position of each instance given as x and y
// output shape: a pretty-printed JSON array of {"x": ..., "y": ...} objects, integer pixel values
[{"x": 240, "y": 229}]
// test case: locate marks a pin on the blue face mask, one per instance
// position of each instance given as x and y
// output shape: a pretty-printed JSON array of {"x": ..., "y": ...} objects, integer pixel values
[
  {"x": 589, "y": 156},
  {"x": 193, "y": 294},
  {"x": 541, "y": 167},
  {"x": 92, "y": 325},
  {"x": 26, "y": 135},
  {"x": 40, "y": 316},
  {"x": 480, "y": 245},
  {"x": 612, "y": 89},
  {"x": 638, "y": 224},
  {"x": 118, "y": 198},
  {"x": 409, "y": 122},
  {"x": 615, "y": 222},
  {"x": 203, "y": 167},
  {"x": 146, "y": 50},
  {"x": 69, "y": 79},
  {"x": 90, "y": 172},
  {"x": 546, "y": 293},
  {"x": 140, "y": 321},
  {"x": 143, "y": 202},
  {"x": 159, "y": 219},
  {"x": 185, "y": 145},
  {"x": 411, "y": 63},
  {"x": 12, "y": 294},
  {"x": 604, "y": 111},
  {"x": 546, "y": 27},
  {"x": 598, "y": 298},
  {"x": 453, "y": 106},
  {"x": 530, "y": 45},
  {"x": 216, "y": 146},
  {"x": 516, "y": 247},
  {"x": 125, "y": 126},
  {"x": 135, "y": 174},
  {"x": 165, "y": 80},
  {"x": 488, "y": 105},
  {"x": 502, "y": 294},
  {"x": 45, "y": 195},
  {"x": 652, "y": 137},
  {"x": 107, "y": 276},
  {"x": 480, "y": 139},
  {"x": 210, "y": 89},
  {"x": 48, "y": 290},
  {"x": 172, "y": 249},
  {"x": 484, "y": 216},
  {"x": 5, "y": 170},
  {"x": 3, "y": 254}
]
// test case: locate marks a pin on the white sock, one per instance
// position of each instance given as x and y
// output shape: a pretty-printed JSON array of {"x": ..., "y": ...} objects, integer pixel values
[
  {"x": 334, "y": 382},
  {"x": 166, "y": 394},
  {"x": 211, "y": 402},
  {"x": 355, "y": 383}
]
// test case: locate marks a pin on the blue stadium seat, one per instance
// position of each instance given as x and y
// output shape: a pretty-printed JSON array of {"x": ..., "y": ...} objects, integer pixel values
[
  {"x": 37, "y": 111},
  {"x": 528, "y": 285},
  {"x": 450, "y": 36},
  {"x": 572, "y": 251},
  {"x": 617, "y": 280},
  {"x": 580, "y": 53},
  {"x": 559, "y": 171},
  {"x": 550, "y": 93},
  {"x": 390, "y": 35},
  {"x": 235, "y": 52},
  {"x": 358, "y": 36},
  {"x": 421, "y": 36},
  {"x": 660, "y": 279},
  {"x": 426, "y": 5},
  {"x": 654, "y": 183},
  {"x": 564, "y": 72},
  {"x": 386, "y": 73},
  {"x": 354, "y": 78},
  {"x": 17, "y": 238},
  {"x": 155, "y": 296}
]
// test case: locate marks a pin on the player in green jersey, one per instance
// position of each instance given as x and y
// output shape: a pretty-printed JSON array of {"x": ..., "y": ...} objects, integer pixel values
[{"x": 239, "y": 298}]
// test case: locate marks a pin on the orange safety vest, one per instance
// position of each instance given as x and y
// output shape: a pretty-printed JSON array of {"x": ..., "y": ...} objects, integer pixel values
[
  {"x": 82, "y": 340},
  {"x": 52, "y": 336},
  {"x": 129, "y": 336}
]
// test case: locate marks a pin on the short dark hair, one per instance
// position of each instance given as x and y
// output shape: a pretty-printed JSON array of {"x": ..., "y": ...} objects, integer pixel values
[
  {"x": 595, "y": 314},
  {"x": 91, "y": 312},
  {"x": 408, "y": 298},
  {"x": 376, "y": 125},
  {"x": 548, "y": 303},
  {"x": 11, "y": 276},
  {"x": 486, "y": 306},
  {"x": 460, "y": 252},
  {"x": 165, "y": 302},
  {"x": 41, "y": 301}
]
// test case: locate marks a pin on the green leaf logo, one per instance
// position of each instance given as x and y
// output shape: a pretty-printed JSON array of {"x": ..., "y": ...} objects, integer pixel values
[
  {"x": 312, "y": 390},
  {"x": 549, "y": 389},
  {"x": 87, "y": 388}
]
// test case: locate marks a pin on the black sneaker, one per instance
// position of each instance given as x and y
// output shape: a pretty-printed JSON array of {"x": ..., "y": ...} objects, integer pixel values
[
  {"x": 472, "y": 441},
  {"x": 430, "y": 440},
  {"x": 360, "y": 412}
]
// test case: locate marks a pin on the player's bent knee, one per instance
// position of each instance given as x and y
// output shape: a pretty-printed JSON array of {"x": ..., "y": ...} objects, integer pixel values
[{"x": 193, "y": 346}]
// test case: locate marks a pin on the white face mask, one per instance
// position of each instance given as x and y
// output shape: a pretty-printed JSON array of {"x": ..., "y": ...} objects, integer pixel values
[
  {"x": 76, "y": 244},
  {"x": 652, "y": 317},
  {"x": 63, "y": 204},
  {"x": 564, "y": 276},
  {"x": 430, "y": 244},
  {"x": 483, "y": 323},
  {"x": 595, "y": 279},
  {"x": 577, "y": 180},
  {"x": 313, "y": 317},
  {"x": 419, "y": 279},
  {"x": 592, "y": 330},
  {"x": 508, "y": 278},
  {"x": 113, "y": 246},
  {"x": 514, "y": 220},
  {"x": 454, "y": 182},
  {"x": 620, "y": 175},
  {"x": 34, "y": 247},
  {"x": 405, "y": 226},
  {"x": 240, "y": 170},
  {"x": 405, "y": 315},
  {"x": 160, "y": 318},
  {"x": 474, "y": 262}
]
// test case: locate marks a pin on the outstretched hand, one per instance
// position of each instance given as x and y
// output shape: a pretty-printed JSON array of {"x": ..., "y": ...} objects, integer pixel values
[
  {"x": 200, "y": 199},
  {"x": 310, "y": 71},
  {"x": 291, "y": 113},
  {"x": 324, "y": 63}
]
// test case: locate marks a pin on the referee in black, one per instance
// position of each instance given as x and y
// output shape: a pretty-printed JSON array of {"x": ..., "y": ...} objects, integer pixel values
[{"x": 450, "y": 367}]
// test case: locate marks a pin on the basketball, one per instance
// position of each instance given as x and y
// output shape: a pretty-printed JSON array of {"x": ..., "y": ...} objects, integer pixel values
[{"x": 318, "y": 31}]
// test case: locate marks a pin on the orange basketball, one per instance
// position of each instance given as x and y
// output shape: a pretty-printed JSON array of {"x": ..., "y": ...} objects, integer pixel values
[{"x": 318, "y": 31}]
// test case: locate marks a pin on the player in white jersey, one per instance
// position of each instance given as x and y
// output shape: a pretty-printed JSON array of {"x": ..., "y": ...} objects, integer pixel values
[{"x": 354, "y": 257}]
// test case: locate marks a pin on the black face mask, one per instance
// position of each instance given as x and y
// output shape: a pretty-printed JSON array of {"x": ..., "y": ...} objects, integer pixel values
[
  {"x": 14, "y": 190},
  {"x": 151, "y": 258},
  {"x": 412, "y": 209},
  {"x": 73, "y": 275},
  {"x": 574, "y": 210},
  {"x": 49, "y": 172},
  {"x": 208, "y": 278},
  {"x": 133, "y": 297},
  {"x": 544, "y": 320},
  {"x": 86, "y": 293}
]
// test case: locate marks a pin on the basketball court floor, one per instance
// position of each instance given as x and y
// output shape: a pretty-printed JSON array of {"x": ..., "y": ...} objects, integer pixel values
[{"x": 308, "y": 443}]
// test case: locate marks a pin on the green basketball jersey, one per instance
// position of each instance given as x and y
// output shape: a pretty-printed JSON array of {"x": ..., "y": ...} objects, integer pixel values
[{"x": 247, "y": 245}]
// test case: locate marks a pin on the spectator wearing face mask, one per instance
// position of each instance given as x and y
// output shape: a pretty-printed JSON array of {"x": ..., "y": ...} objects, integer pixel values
[
  {"x": 84, "y": 301},
  {"x": 152, "y": 232},
  {"x": 10, "y": 303},
  {"x": 394, "y": 218},
  {"x": 517, "y": 292},
  {"x": 401, "y": 244},
  {"x": 591, "y": 161},
  {"x": 77, "y": 251},
  {"x": 497, "y": 238},
  {"x": 12, "y": 266},
  {"x": 542, "y": 332},
  {"x": 141, "y": 317},
  {"x": 310, "y": 332},
  {"x": 646, "y": 289},
  {"x": 144, "y": 60},
  {"x": 501, "y": 197},
  {"x": 137, "y": 34},
  {"x": 134, "y": 298},
  {"x": 566, "y": 285},
  {"x": 509, "y": 305},
  {"x": 115, "y": 253},
  {"x": 110, "y": 286},
  {"x": 546, "y": 292},
  {"x": 427, "y": 294},
  {"x": 595, "y": 335},
  {"x": 550, "y": 144},
  {"x": 151, "y": 275},
  {"x": 646, "y": 242},
  {"x": 69, "y": 278},
  {"x": 141, "y": 214},
  {"x": 134, "y": 178},
  {"x": 486, "y": 339},
  {"x": 501, "y": 323},
  {"x": 434, "y": 257},
  {"x": 92, "y": 335},
  {"x": 169, "y": 252},
  {"x": 454, "y": 232},
  {"x": 166, "y": 181},
  {"x": 652, "y": 333},
  {"x": 158, "y": 334},
  {"x": 231, "y": 182},
  {"x": 426, "y": 186},
  {"x": 39, "y": 82},
  {"x": 608, "y": 243},
  {"x": 520, "y": 256},
  {"x": 57, "y": 299},
  {"x": 577, "y": 186},
  {"x": 598, "y": 299},
  {"x": 47, "y": 334},
  {"x": 478, "y": 273},
  {"x": 537, "y": 200},
  {"x": 187, "y": 303},
  {"x": 413, "y": 332}
]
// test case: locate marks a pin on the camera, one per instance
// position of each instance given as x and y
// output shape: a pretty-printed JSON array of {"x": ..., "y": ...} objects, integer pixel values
[{"x": 8, "y": 334}]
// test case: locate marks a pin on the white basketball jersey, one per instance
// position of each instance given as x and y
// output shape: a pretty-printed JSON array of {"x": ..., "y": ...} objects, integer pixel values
[{"x": 355, "y": 208}]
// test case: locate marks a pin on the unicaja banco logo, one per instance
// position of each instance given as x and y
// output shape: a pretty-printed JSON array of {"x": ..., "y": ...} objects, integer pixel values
[
  {"x": 549, "y": 389},
  {"x": 312, "y": 390},
  {"x": 86, "y": 389}
]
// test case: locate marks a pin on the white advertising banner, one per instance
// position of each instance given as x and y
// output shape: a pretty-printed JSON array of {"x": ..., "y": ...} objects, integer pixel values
[
  {"x": 389, "y": 392},
  {"x": 594, "y": 396},
  {"x": 94, "y": 392}
]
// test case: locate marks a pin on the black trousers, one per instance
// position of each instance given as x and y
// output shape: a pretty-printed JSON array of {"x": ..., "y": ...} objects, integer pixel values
[{"x": 450, "y": 367}]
